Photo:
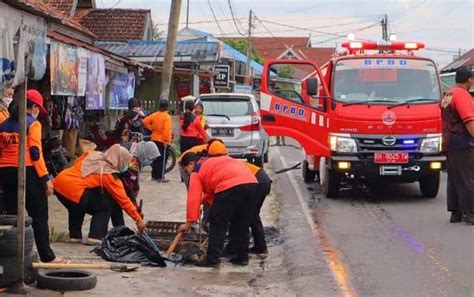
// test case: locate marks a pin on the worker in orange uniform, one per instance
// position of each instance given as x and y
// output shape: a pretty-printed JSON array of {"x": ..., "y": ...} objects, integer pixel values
[
  {"x": 5, "y": 102},
  {"x": 213, "y": 144},
  {"x": 191, "y": 130},
  {"x": 228, "y": 186},
  {"x": 38, "y": 183},
  {"x": 92, "y": 186},
  {"x": 159, "y": 123}
]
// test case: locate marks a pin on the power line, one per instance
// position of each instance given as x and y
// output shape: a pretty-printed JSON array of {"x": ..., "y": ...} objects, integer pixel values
[
  {"x": 274, "y": 37},
  {"x": 214, "y": 15},
  {"x": 355, "y": 31},
  {"x": 233, "y": 17}
]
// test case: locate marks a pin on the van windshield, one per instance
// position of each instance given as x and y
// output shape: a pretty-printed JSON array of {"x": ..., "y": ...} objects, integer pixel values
[
  {"x": 394, "y": 80},
  {"x": 227, "y": 106}
]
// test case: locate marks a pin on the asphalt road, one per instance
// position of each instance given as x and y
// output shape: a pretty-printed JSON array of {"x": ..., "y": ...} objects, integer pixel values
[{"x": 401, "y": 245}]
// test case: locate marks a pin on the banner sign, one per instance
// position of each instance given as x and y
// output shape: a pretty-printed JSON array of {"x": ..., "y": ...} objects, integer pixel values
[
  {"x": 221, "y": 79},
  {"x": 64, "y": 70},
  {"x": 121, "y": 89},
  {"x": 95, "y": 94}
]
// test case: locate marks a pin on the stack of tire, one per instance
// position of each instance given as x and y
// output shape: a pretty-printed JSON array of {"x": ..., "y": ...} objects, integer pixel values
[{"x": 8, "y": 244}]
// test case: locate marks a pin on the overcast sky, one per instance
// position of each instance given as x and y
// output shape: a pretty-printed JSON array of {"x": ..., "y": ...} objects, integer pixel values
[{"x": 444, "y": 25}]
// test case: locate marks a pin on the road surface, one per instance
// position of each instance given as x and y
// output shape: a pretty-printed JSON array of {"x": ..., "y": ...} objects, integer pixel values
[{"x": 401, "y": 245}]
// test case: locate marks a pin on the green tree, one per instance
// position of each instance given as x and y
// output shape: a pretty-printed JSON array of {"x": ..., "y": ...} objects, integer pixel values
[
  {"x": 241, "y": 45},
  {"x": 286, "y": 71}
]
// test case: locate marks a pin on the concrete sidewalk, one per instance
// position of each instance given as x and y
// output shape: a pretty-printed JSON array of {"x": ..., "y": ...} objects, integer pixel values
[{"x": 166, "y": 202}]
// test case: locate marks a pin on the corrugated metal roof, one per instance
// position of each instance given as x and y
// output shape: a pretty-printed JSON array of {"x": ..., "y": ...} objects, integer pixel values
[
  {"x": 465, "y": 60},
  {"x": 203, "y": 51}
]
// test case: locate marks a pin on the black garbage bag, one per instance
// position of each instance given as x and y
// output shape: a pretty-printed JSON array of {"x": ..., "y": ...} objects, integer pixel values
[{"x": 123, "y": 245}]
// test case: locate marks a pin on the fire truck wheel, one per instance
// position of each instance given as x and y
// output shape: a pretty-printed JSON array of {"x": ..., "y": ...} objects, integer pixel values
[
  {"x": 330, "y": 180},
  {"x": 429, "y": 185},
  {"x": 308, "y": 174}
]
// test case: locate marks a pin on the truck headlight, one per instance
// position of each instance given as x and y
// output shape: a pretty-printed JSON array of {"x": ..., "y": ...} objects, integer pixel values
[
  {"x": 342, "y": 144},
  {"x": 431, "y": 144}
]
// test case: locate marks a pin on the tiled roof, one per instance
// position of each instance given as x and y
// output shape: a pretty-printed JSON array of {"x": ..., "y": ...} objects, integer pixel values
[
  {"x": 38, "y": 7},
  {"x": 116, "y": 24},
  {"x": 63, "y": 6},
  {"x": 195, "y": 50},
  {"x": 465, "y": 60},
  {"x": 274, "y": 47}
]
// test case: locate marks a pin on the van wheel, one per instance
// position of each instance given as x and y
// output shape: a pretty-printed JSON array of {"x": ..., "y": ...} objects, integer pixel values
[
  {"x": 330, "y": 180},
  {"x": 308, "y": 174},
  {"x": 429, "y": 185}
]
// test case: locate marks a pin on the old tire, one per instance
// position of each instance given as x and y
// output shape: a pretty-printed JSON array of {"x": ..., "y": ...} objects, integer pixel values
[
  {"x": 9, "y": 275},
  {"x": 66, "y": 280},
  {"x": 8, "y": 237},
  {"x": 429, "y": 185},
  {"x": 308, "y": 174},
  {"x": 330, "y": 180}
]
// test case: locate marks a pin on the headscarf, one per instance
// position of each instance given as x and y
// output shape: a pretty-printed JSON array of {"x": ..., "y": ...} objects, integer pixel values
[{"x": 113, "y": 160}]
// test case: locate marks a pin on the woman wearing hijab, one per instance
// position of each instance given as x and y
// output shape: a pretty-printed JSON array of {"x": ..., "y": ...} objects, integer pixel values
[
  {"x": 39, "y": 185},
  {"x": 192, "y": 132},
  {"x": 92, "y": 186}
]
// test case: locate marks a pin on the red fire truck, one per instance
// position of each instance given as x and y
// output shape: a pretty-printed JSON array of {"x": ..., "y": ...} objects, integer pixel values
[{"x": 370, "y": 114}]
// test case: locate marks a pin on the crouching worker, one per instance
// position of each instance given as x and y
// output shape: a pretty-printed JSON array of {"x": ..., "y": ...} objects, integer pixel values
[
  {"x": 92, "y": 186},
  {"x": 256, "y": 226},
  {"x": 228, "y": 186}
]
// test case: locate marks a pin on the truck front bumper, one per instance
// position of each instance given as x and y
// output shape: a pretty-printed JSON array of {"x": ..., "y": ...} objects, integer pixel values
[{"x": 409, "y": 172}]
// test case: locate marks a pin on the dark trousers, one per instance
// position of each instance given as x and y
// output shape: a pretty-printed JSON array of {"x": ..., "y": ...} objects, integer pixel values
[
  {"x": 256, "y": 226},
  {"x": 236, "y": 204},
  {"x": 461, "y": 181},
  {"x": 159, "y": 164},
  {"x": 185, "y": 143},
  {"x": 36, "y": 205},
  {"x": 99, "y": 205}
]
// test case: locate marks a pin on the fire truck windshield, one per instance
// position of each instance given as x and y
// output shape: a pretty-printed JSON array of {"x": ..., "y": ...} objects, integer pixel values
[{"x": 387, "y": 81}]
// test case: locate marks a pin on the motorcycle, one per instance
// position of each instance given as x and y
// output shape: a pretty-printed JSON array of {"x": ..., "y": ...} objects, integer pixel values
[{"x": 54, "y": 155}]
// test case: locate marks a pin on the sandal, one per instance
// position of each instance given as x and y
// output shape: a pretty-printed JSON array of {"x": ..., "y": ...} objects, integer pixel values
[
  {"x": 74, "y": 240},
  {"x": 60, "y": 261},
  {"x": 93, "y": 241}
]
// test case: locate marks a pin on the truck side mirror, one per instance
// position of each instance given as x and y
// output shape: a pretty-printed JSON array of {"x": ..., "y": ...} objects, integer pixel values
[{"x": 312, "y": 86}]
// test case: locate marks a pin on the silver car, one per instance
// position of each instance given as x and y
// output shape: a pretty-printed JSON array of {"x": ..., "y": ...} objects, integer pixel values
[{"x": 235, "y": 118}]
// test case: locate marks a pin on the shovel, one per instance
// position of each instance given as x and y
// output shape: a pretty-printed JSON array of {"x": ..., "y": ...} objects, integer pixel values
[
  {"x": 173, "y": 244},
  {"x": 113, "y": 267}
]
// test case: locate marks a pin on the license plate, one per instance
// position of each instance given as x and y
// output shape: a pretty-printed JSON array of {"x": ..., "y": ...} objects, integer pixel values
[
  {"x": 229, "y": 132},
  {"x": 391, "y": 158}
]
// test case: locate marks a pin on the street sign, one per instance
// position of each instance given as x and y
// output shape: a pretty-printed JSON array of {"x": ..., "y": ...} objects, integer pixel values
[
  {"x": 243, "y": 89},
  {"x": 221, "y": 79}
]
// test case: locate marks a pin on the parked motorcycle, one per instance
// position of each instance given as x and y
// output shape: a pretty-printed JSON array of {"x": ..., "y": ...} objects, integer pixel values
[{"x": 54, "y": 155}]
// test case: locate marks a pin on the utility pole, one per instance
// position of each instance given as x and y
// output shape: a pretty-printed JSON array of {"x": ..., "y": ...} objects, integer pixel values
[
  {"x": 170, "y": 48},
  {"x": 187, "y": 14},
  {"x": 248, "y": 68},
  {"x": 385, "y": 28}
]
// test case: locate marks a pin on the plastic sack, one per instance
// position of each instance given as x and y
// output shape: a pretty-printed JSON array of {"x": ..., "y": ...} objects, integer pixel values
[{"x": 123, "y": 245}]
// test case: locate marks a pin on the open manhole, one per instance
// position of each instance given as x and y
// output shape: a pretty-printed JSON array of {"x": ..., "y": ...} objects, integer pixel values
[{"x": 163, "y": 232}]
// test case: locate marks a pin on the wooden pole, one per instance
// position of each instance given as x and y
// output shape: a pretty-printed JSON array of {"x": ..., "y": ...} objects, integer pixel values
[{"x": 19, "y": 287}]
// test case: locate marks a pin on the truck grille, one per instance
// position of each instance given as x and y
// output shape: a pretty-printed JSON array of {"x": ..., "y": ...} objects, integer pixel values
[{"x": 399, "y": 143}]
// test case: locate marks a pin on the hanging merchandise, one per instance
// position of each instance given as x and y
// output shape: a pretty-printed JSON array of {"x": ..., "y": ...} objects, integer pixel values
[
  {"x": 67, "y": 113},
  {"x": 95, "y": 95},
  {"x": 64, "y": 69},
  {"x": 30, "y": 54},
  {"x": 122, "y": 88}
]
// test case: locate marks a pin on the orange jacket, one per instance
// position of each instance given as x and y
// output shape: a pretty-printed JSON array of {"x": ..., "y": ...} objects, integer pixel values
[
  {"x": 159, "y": 123},
  {"x": 195, "y": 149},
  {"x": 9, "y": 145},
  {"x": 212, "y": 176},
  {"x": 195, "y": 129},
  {"x": 70, "y": 184},
  {"x": 4, "y": 114},
  {"x": 253, "y": 168}
]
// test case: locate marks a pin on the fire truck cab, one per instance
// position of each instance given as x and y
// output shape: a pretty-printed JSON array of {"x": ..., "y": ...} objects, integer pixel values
[{"x": 370, "y": 114}]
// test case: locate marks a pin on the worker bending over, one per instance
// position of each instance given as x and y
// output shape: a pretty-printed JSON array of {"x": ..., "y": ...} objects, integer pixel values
[
  {"x": 229, "y": 186},
  {"x": 92, "y": 186}
]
